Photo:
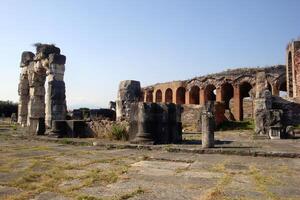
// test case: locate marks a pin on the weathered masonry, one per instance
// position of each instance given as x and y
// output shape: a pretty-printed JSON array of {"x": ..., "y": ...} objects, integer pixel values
[
  {"x": 235, "y": 88},
  {"x": 46, "y": 66},
  {"x": 293, "y": 69}
]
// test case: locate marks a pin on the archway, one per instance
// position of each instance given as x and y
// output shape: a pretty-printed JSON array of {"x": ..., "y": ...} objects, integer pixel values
[
  {"x": 246, "y": 101},
  {"x": 158, "y": 96},
  {"x": 149, "y": 96},
  {"x": 169, "y": 96},
  {"x": 194, "y": 95},
  {"x": 227, "y": 94},
  {"x": 210, "y": 93},
  {"x": 180, "y": 95}
]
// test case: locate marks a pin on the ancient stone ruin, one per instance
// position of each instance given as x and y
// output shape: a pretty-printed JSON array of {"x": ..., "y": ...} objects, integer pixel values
[{"x": 38, "y": 106}]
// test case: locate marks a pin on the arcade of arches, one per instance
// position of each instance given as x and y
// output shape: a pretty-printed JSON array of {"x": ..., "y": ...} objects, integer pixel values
[{"x": 234, "y": 88}]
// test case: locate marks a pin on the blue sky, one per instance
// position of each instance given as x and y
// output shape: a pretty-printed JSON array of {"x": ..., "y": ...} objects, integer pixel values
[{"x": 150, "y": 41}]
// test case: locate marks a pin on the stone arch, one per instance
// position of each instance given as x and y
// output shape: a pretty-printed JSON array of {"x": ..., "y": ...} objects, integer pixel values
[
  {"x": 246, "y": 100},
  {"x": 149, "y": 96},
  {"x": 194, "y": 95},
  {"x": 169, "y": 95},
  {"x": 227, "y": 92},
  {"x": 158, "y": 96},
  {"x": 210, "y": 93},
  {"x": 180, "y": 95}
]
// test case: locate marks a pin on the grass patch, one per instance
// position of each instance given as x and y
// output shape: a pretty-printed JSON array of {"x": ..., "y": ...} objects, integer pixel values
[
  {"x": 131, "y": 194},
  {"x": 235, "y": 125},
  {"x": 263, "y": 181}
]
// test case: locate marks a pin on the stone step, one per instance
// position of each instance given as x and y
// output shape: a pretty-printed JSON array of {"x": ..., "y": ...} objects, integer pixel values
[{"x": 261, "y": 137}]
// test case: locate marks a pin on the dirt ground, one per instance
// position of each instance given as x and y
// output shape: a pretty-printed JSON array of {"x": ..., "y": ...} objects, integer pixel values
[{"x": 31, "y": 169}]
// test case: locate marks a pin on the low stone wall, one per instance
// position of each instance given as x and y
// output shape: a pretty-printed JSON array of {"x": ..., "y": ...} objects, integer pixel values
[{"x": 190, "y": 117}]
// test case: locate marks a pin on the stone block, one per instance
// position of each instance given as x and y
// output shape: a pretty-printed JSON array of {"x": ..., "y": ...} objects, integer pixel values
[
  {"x": 26, "y": 58},
  {"x": 70, "y": 128},
  {"x": 57, "y": 59}
]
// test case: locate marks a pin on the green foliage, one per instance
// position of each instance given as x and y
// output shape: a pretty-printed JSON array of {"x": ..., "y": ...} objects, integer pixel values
[
  {"x": 235, "y": 125},
  {"x": 119, "y": 132}
]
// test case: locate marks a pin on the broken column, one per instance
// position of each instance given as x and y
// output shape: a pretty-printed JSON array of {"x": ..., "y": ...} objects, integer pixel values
[
  {"x": 36, "y": 105},
  {"x": 129, "y": 92},
  {"x": 56, "y": 108},
  {"x": 152, "y": 123},
  {"x": 208, "y": 125},
  {"x": 23, "y": 88}
]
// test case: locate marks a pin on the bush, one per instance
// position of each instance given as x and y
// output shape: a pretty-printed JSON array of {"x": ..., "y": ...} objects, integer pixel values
[
  {"x": 119, "y": 132},
  {"x": 7, "y": 108}
]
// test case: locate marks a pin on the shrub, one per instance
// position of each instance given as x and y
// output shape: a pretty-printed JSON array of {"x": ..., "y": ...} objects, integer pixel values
[{"x": 119, "y": 132}]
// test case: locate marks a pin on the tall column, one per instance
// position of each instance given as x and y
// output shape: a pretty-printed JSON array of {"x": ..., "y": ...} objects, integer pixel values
[
  {"x": 36, "y": 104},
  {"x": 23, "y": 88},
  {"x": 237, "y": 107},
  {"x": 56, "y": 107}
]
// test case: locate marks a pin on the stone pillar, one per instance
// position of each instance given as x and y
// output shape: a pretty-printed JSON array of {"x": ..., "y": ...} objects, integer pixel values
[
  {"x": 275, "y": 89},
  {"x": 129, "y": 92},
  {"x": 219, "y": 94},
  {"x": 187, "y": 97},
  {"x": 23, "y": 88},
  {"x": 237, "y": 107},
  {"x": 208, "y": 125},
  {"x": 202, "y": 96},
  {"x": 36, "y": 105},
  {"x": 56, "y": 108}
]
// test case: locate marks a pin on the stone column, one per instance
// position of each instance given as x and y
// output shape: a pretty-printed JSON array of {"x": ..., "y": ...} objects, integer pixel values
[
  {"x": 219, "y": 94},
  {"x": 202, "y": 96},
  {"x": 187, "y": 97},
  {"x": 208, "y": 125},
  {"x": 56, "y": 108},
  {"x": 129, "y": 92},
  {"x": 237, "y": 107},
  {"x": 36, "y": 105},
  {"x": 23, "y": 88}
]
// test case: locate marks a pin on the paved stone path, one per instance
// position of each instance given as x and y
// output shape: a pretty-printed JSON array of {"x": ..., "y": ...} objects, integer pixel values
[{"x": 31, "y": 169}]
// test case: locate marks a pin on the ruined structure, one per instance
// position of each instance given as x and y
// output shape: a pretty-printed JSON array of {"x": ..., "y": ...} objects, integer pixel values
[
  {"x": 47, "y": 65},
  {"x": 155, "y": 123},
  {"x": 235, "y": 88},
  {"x": 293, "y": 69}
]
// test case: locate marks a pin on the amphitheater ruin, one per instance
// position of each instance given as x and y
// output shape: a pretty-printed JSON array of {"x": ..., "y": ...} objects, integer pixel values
[{"x": 269, "y": 95}]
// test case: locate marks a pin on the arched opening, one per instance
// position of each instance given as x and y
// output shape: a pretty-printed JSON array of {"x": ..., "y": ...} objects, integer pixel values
[
  {"x": 282, "y": 89},
  {"x": 180, "y": 95},
  {"x": 194, "y": 95},
  {"x": 169, "y": 96},
  {"x": 149, "y": 96},
  {"x": 158, "y": 96},
  {"x": 227, "y": 94},
  {"x": 290, "y": 75},
  {"x": 246, "y": 101},
  {"x": 210, "y": 93}
]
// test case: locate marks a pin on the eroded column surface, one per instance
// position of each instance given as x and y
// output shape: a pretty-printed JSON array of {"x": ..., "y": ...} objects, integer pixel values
[
  {"x": 23, "y": 88},
  {"x": 36, "y": 105},
  {"x": 129, "y": 92},
  {"x": 56, "y": 107}
]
